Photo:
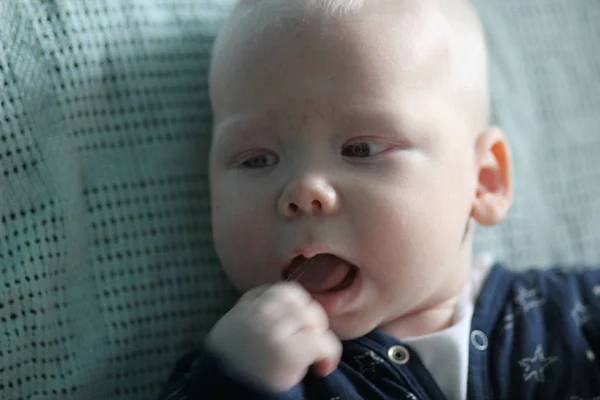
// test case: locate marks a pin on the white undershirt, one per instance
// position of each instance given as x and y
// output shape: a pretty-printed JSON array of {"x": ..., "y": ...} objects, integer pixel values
[{"x": 446, "y": 353}]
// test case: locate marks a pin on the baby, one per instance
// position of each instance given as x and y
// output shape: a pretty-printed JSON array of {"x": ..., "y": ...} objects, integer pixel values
[{"x": 351, "y": 159}]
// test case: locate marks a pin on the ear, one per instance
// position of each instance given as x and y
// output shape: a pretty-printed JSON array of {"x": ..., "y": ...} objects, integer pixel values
[{"x": 495, "y": 187}]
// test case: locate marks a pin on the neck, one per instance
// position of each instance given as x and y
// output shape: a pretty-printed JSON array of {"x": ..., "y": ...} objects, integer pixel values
[
  {"x": 423, "y": 322},
  {"x": 437, "y": 314}
]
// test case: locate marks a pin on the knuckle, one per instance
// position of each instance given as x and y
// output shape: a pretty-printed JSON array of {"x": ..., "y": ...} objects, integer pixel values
[
  {"x": 318, "y": 310},
  {"x": 294, "y": 291},
  {"x": 277, "y": 337},
  {"x": 276, "y": 292},
  {"x": 264, "y": 310}
]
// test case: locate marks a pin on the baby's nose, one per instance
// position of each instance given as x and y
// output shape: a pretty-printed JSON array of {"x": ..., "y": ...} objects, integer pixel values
[{"x": 308, "y": 196}]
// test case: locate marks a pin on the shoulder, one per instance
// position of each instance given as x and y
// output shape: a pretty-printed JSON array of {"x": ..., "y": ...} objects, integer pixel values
[
  {"x": 540, "y": 296},
  {"x": 543, "y": 326},
  {"x": 556, "y": 286}
]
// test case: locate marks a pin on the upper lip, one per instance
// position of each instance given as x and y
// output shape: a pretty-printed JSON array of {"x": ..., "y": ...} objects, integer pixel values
[
  {"x": 311, "y": 251},
  {"x": 308, "y": 251}
]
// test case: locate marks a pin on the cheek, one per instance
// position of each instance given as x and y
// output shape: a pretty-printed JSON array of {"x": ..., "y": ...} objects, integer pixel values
[
  {"x": 414, "y": 225},
  {"x": 243, "y": 239},
  {"x": 242, "y": 249}
]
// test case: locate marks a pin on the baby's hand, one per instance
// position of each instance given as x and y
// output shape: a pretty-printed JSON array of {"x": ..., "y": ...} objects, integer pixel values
[{"x": 273, "y": 335}]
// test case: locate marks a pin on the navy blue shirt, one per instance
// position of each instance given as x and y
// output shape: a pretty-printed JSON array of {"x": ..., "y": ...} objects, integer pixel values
[{"x": 534, "y": 335}]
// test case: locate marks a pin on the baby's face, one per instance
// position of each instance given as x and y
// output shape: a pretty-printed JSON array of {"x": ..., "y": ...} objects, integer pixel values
[{"x": 344, "y": 140}]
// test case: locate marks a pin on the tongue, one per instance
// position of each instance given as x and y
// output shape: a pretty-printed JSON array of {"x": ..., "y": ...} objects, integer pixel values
[{"x": 320, "y": 273}]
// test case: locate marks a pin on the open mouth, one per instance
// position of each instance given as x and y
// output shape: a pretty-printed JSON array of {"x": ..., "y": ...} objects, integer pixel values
[{"x": 323, "y": 273}]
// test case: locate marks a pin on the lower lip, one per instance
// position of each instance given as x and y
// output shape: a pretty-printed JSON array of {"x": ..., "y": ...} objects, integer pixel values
[{"x": 336, "y": 302}]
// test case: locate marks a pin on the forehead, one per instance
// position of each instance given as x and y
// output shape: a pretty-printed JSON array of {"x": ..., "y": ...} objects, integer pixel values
[
  {"x": 412, "y": 30},
  {"x": 381, "y": 65},
  {"x": 352, "y": 116},
  {"x": 392, "y": 37}
]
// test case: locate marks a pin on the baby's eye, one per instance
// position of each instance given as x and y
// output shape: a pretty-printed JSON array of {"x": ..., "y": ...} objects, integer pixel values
[
  {"x": 260, "y": 161},
  {"x": 364, "y": 149}
]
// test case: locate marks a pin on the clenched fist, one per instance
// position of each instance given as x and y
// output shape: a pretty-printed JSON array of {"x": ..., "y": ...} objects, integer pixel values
[{"x": 273, "y": 335}]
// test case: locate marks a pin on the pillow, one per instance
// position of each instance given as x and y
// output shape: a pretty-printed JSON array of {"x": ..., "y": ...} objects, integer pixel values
[
  {"x": 108, "y": 272},
  {"x": 546, "y": 96}
]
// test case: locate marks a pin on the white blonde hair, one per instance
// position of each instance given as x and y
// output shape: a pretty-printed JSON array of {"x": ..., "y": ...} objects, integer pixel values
[
  {"x": 293, "y": 9},
  {"x": 465, "y": 34}
]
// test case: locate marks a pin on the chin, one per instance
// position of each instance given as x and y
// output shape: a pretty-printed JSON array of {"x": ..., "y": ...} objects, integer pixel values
[{"x": 349, "y": 328}]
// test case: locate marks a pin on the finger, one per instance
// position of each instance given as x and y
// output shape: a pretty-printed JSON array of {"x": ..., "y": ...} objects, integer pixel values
[
  {"x": 326, "y": 365},
  {"x": 280, "y": 313},
  {"x": 295, "y": 318},
  {"x": 286, "y": 292},
  {"x": 324, "y": 350},
  {"x": 318, "y": 320}
]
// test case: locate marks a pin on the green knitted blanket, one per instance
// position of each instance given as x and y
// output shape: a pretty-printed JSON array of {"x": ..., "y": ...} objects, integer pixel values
[{"x": 107, "y": 274}]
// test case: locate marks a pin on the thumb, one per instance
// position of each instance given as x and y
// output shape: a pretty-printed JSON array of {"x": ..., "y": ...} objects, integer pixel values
[{"x": 333, "y": 350}]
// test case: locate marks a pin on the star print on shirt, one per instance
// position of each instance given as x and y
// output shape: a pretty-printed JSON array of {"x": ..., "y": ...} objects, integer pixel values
[
  {"x": 534, "y": 367},
  {"x": 368, "y": 361},
  {"x": 580, "y": 314},
  {"x": 528, "y": 299},
  {"x": 509, "y": 321}
]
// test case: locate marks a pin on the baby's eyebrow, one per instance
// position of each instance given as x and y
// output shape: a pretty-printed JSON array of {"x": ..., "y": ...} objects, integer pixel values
[
  {"x": 364, "y": 117},
  {"x": 385, "y": 121},
  {"x": 240, "y": 129}
]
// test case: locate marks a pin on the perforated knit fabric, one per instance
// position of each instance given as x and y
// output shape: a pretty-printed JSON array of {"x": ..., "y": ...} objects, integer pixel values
[
  {"x": 107, "y": 273},
  {"x": 106, "y": 268},
  {"x": 545, "y": 76}
]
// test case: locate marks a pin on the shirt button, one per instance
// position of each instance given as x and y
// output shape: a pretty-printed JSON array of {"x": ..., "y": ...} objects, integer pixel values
[
  {"x": 399, "y": 354},
  {"x": 479, "y": 340},
  {"x": 590, "y": 355}
]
